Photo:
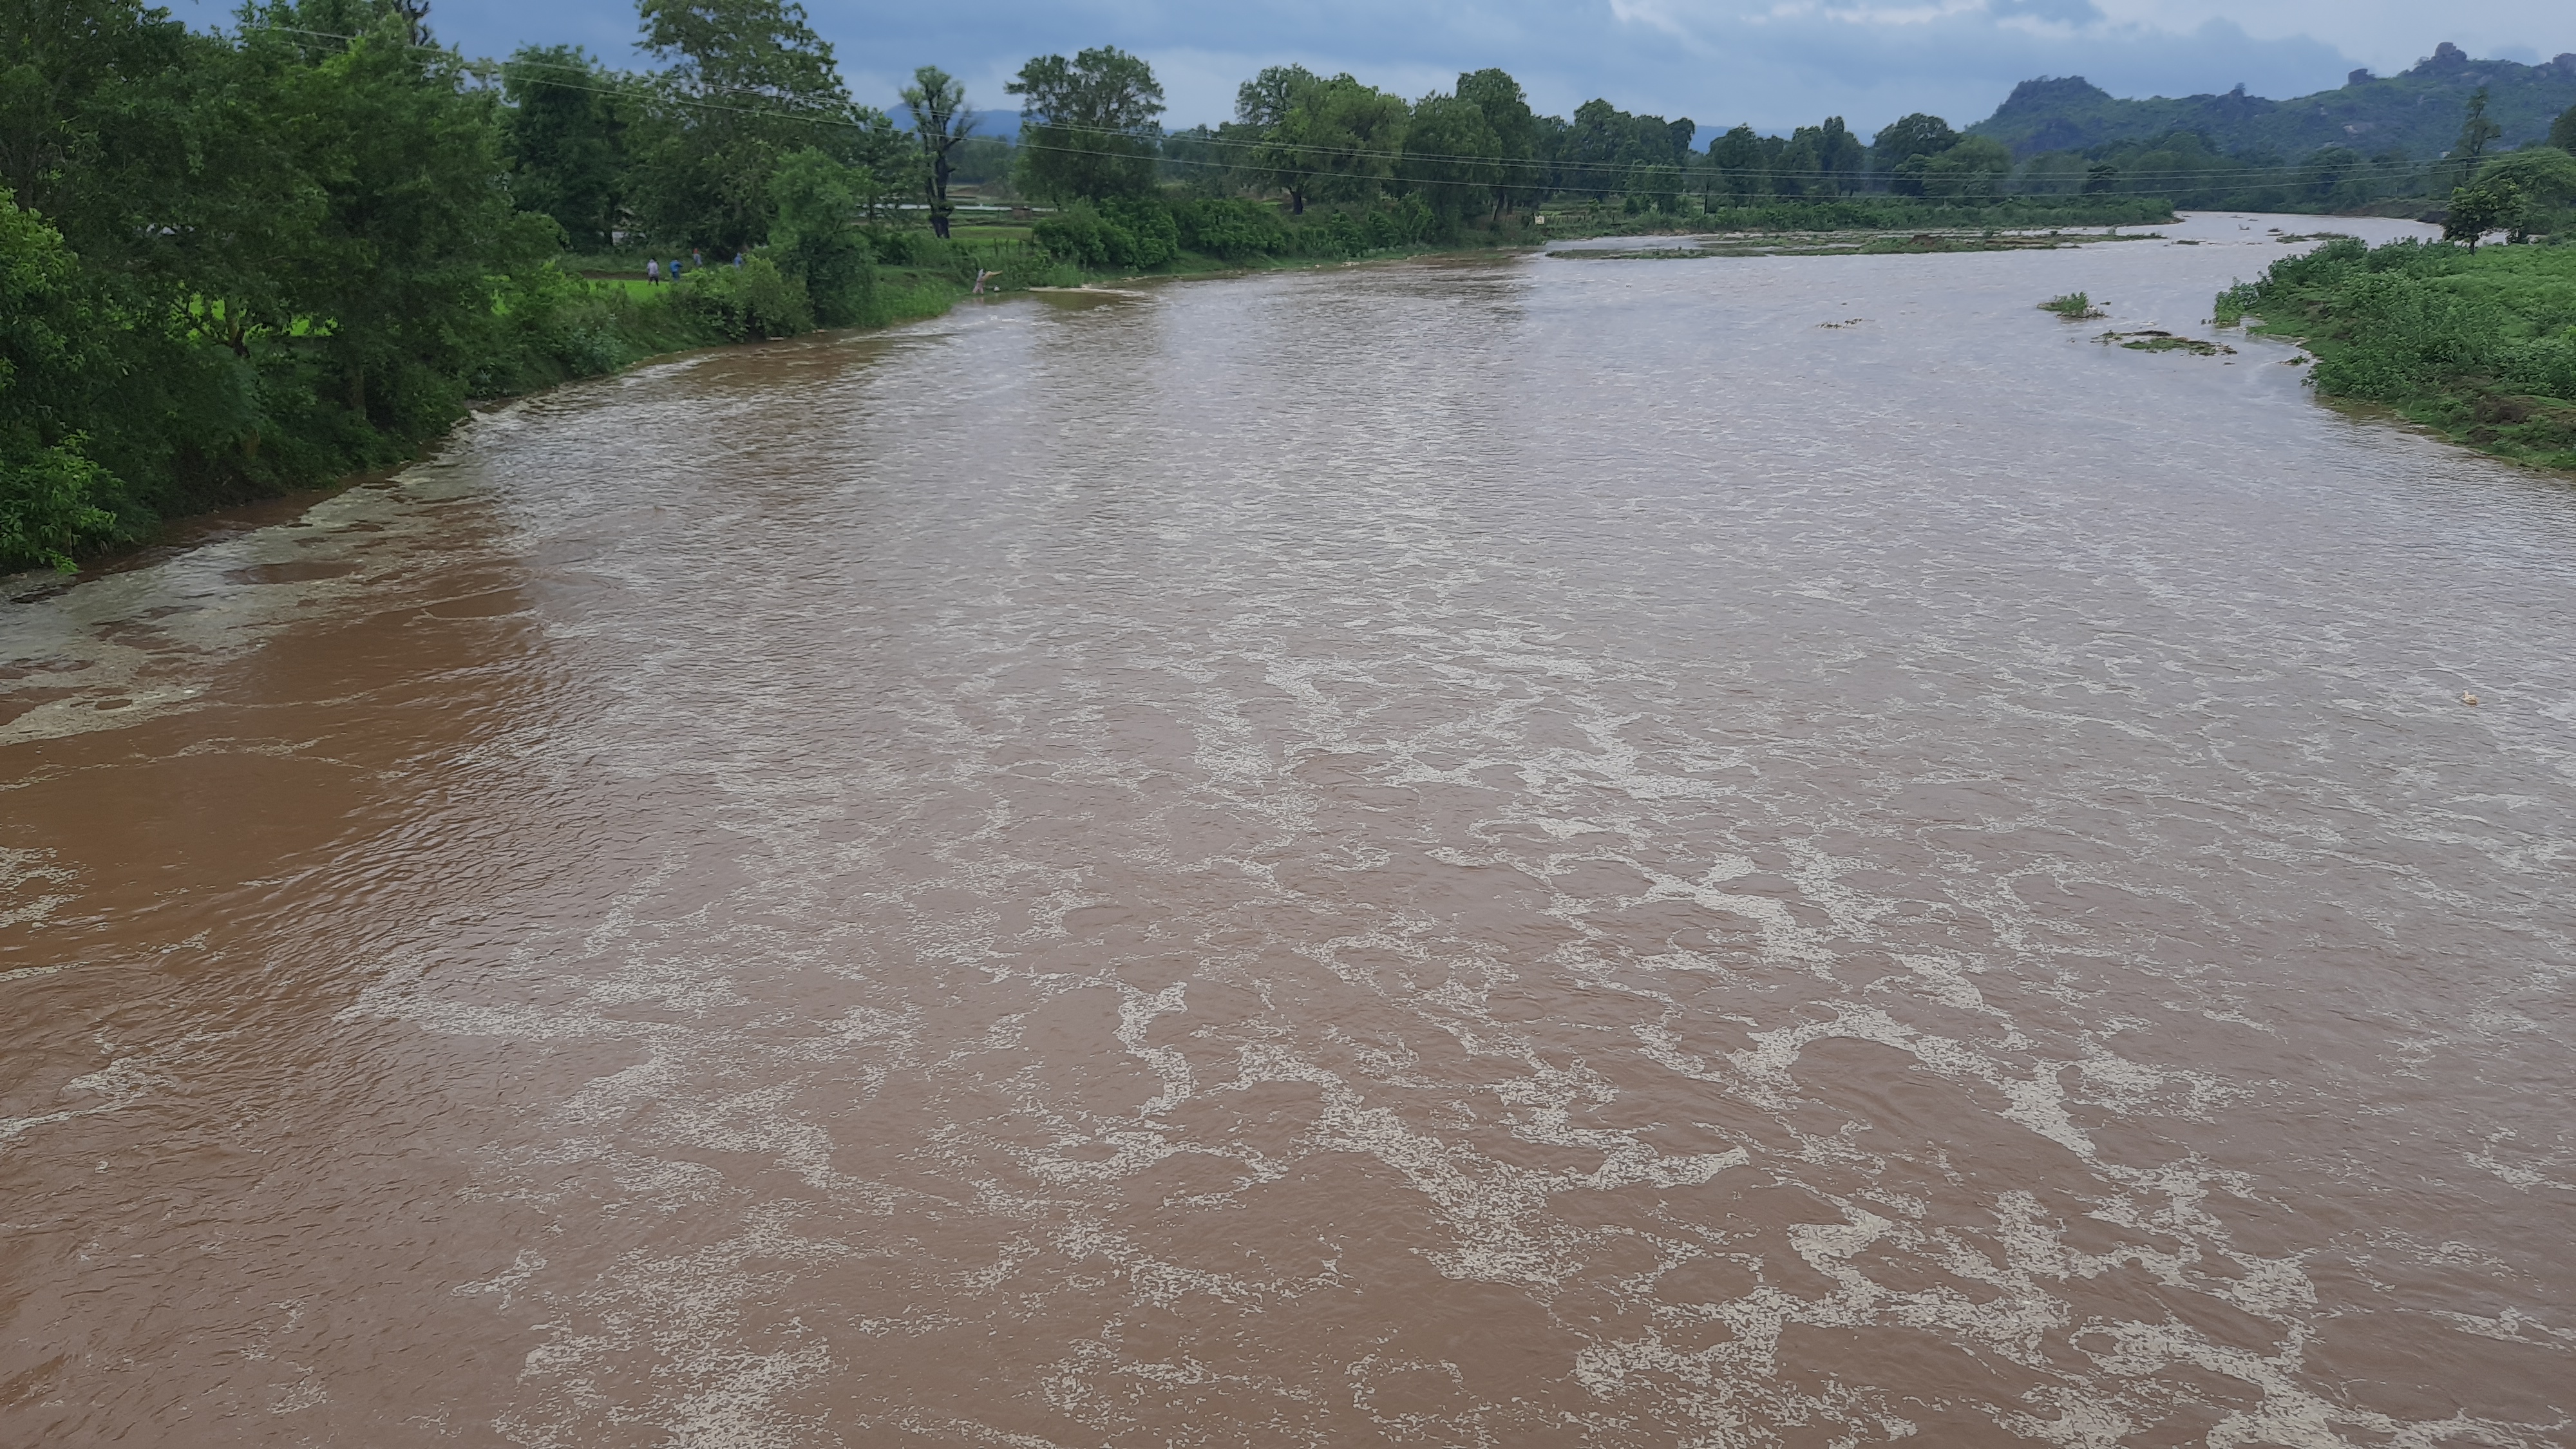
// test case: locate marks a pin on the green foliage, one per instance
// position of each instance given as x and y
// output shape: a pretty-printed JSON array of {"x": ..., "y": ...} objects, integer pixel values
[
  {"x": 814, "y": 242},
  {"x": 1598, "y": 152},
  {"x": 2481, "y": 344},
  {"x": 49, "y": 490},
  {"x": 1233, "y": 229},
  {"x": 940, "y": 121},
  {"x": 1122, "y": 233},
  {"x": 1339, "y": 142},
  {"x": 1087, "y": 125},
  {"x": 744, "y": 83},
  {"x": 2562, "y": 132},
  {"x": 2545, "y": 179},
  {"x": 746, "y": 303},
  {"x": 564, "y": 136},
  {"x": 1452, "y": 158},
  {"x": 2485, "y": 207},
  {"x": 1906, "y": 146},
  {"x": 1506, "y": 109},
  {"x": 2071, "y": 306},
  {"x": 1974, "y": 167}
]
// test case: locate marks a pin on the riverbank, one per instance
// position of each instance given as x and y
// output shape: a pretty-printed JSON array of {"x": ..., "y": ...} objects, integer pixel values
[
  {"x": 592, "y": 316},
  {"x": 2477, "y": 346}
]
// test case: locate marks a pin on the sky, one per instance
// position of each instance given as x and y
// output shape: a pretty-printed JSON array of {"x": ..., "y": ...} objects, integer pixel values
[{"x": 1774, "y": 63}]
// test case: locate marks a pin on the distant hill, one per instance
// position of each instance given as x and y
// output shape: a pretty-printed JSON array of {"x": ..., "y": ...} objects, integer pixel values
[{"x": 2415, "y": 113}]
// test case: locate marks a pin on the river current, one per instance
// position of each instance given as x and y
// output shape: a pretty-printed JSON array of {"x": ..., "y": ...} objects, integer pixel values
[{"x": 1471, "y": 852}]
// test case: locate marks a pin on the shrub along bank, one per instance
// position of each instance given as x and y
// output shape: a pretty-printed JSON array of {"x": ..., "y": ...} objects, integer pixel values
[{"x": 2480, "y": 345}]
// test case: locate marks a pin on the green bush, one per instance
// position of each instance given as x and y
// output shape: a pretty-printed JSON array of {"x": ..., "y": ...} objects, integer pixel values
[
  {"x": 1125, "y": 233},
  {"x": 1231, "y": 228},
  {"x": 754, "y": 300}
]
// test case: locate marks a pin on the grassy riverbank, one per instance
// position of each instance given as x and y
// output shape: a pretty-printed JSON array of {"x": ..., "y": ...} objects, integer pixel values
[{"x": 2480, "y": 347}]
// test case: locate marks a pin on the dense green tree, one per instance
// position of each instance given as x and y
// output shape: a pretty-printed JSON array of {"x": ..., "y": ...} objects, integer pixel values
[
  {"x": 1976, "y": 167},
  {"x": 2544, "y": 173},
  {"x": 1452, "y": 158},
  {"x": 1262, "y": 106},
  {"x": 398, "y": 277},
  {"x": 1736, "y": 166},
  {"x": 2562, "y": 132},
  {"x": 1604, "y": 143},
  {"x": 744, "y": 82},
  {"x": 1798, "y": 169},
  {"x": 940, "y": 120},
  {"x": 2482, "y": 208},
  {"x": 565, "y": 137},
  {"x": 1840, "y": 157},
  {"x": 1340, "y": 141},
  {"x": 1507, "y": 114},
  {"x": 814, "y": 239},
  {"x": 1265, "y": 100},
  {"x": 49, "y": 488},
  {"x": 1088, "y": 126},
  {"x": 1917, "y": 135}
]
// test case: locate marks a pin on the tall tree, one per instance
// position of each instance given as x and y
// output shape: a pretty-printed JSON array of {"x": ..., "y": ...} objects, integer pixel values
[
  {"x": 1262, "y": 106},
  {"x": 2475, "y": 132},
  {"x": 1088, "y": 126},
  {"x": 817, "y": 199},
  {"x": 565, "y": 137},
  {"x": 50, "y": 489},
  {"x": 1840, "y": 156},
  {"x": 1344, "y": 137},
  {"x": 396, "y": 281},
  {"x": 940, "y": 121},
  {"x": 744, "y": 82},
  {"x": 1452, "y": 158},
  {"x": 1907, "y": 139},
  {"x": 1507, "y": 113},
  {"x": 1737, "y": 162}
]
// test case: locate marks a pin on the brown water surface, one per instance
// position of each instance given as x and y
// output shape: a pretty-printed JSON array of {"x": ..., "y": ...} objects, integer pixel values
[{"x": 1465, "y": 853}]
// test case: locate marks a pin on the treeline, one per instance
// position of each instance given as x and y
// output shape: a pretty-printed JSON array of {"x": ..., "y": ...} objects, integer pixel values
[{"x": 1480, "y": 148}]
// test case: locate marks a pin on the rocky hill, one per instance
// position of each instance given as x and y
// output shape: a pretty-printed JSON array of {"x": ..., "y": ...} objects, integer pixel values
[{"x": 2415, "y": 113}]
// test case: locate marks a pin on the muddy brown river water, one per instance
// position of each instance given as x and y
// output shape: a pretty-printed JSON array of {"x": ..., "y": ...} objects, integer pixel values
[{"x": 1473, "y": 852}]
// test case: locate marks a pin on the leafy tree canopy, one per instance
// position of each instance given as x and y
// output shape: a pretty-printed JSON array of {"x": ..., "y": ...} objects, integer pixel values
[{"x": 1088, "y": 126}]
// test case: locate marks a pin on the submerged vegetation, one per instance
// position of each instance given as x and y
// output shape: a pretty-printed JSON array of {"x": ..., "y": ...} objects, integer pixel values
[
  {"x": 2073, "y": 306},
  {"x": 2480, "y": 345}
]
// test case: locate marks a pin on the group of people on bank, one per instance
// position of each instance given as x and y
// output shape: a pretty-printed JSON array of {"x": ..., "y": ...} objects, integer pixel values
[{"x": 653, "y": 267}]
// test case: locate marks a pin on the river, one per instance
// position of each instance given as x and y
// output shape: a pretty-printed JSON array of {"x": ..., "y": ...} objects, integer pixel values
[{"x": 1469, "y": 852}]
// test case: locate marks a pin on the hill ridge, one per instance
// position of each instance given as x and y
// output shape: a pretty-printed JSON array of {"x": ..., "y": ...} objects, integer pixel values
[{"x": 2415, "y": 113}]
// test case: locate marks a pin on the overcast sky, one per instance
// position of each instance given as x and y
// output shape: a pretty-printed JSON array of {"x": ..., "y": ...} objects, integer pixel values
[{"x": 1775, "y": 63}]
